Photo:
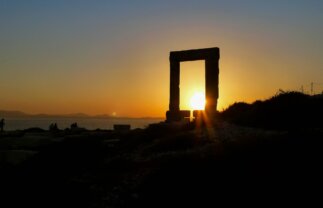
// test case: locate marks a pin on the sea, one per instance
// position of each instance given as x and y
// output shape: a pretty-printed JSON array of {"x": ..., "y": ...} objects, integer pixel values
[{"x": 88, "y": 123}]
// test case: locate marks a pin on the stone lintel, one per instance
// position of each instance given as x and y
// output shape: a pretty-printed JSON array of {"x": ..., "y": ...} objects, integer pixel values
[{"x": 194, "y": 54}]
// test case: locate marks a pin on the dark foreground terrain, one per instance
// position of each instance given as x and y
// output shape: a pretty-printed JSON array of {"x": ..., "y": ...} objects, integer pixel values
[
  {"x": 256, "y": 154},
  {"x": 161, "y": 166}
]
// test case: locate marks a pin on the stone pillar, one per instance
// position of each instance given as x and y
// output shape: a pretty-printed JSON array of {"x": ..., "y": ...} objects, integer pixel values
[
  {"x": 174, "y": 113},
  {"x": 211, "y": 85},
  {"x": 174, "y": 86}
]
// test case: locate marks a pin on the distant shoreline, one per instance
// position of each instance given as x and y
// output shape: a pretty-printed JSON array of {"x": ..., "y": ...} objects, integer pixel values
[
  {"x": 63, "y": 122},
  {"x": 20, "y": 114}
]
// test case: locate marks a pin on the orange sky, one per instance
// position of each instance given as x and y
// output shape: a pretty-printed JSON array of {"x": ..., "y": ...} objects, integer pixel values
[{"x": 106, "y": 58}]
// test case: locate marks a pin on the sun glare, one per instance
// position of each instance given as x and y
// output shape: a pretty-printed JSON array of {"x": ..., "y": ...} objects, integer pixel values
[{"x": 197, "y": 101}]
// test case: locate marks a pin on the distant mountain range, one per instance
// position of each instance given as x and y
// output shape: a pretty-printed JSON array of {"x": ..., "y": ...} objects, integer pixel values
[
  {"x": 5, "y": 113},
  {"x": 20, "y": 114}
]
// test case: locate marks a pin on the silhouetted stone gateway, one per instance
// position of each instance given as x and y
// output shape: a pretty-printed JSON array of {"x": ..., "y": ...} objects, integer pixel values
[{"x": 211, "y": 57}]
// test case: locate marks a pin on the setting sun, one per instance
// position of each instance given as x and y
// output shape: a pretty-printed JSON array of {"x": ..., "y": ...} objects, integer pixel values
[{"x": 197, "y": 101}]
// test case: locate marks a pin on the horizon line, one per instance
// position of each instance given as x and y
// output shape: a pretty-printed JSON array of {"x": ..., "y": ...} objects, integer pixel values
[{"x": 79, "y": 114}]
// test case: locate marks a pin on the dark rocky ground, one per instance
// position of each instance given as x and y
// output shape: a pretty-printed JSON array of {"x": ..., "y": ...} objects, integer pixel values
[
  {"x": 260, "y": 154},
  {"x": 161, "y": 166}
]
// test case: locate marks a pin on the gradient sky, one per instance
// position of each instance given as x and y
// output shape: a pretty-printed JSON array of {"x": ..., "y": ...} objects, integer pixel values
[{"x": 100, "y": 57}]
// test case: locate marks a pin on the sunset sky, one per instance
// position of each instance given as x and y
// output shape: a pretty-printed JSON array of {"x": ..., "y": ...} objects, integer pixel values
[{"x": 111, "y": 57}]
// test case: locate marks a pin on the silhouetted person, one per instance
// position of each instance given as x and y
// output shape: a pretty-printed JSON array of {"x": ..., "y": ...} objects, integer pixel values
[
  {"x": 53, "y": 127},
  {"x": 74, "y": 125},
  {"x": 2, "y": 124}
]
